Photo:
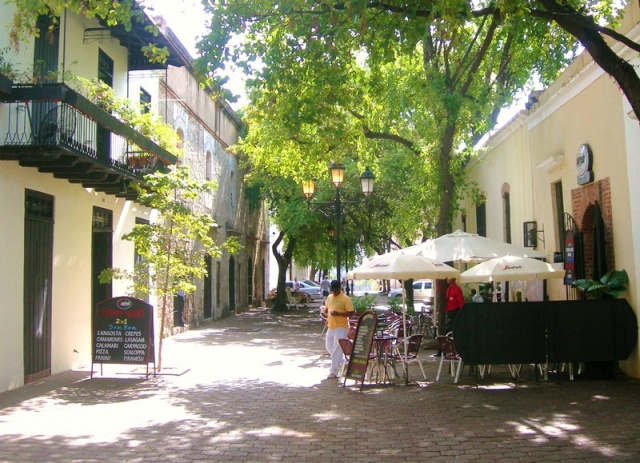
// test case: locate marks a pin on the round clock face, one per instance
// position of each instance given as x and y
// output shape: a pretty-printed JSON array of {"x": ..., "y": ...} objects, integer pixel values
[{"x": 583, "y": 159}]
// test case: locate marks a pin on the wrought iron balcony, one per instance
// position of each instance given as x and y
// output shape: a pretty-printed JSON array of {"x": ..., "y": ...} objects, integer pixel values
[{"x": 56, "y": 130}]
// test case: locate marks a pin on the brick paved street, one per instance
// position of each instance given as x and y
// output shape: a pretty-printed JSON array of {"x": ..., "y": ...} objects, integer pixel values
[{"x": 256, "y": 391}]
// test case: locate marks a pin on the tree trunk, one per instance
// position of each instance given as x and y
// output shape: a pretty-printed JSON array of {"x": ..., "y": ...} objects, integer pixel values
[
  {"x": 163, "y": 315},
  {"x": 447, "y": 183},
  {"x": 283, "y": 261}
]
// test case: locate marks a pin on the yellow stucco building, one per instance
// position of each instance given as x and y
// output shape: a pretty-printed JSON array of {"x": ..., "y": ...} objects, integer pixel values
[{"x": 570, "y": 157}]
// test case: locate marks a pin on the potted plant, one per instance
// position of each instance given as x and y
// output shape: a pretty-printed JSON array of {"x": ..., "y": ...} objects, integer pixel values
[
  {"x": 147, "y": 123},
  {"x": 140, "y": 161},
  {"x": 611, "y": 285},
  {"x": 7, "y": 73},
  {"x": 364, "y": 303}
]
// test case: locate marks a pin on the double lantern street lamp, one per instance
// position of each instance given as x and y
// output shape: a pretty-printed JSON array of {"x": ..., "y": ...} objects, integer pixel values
[{"x": 337, "y": 178}]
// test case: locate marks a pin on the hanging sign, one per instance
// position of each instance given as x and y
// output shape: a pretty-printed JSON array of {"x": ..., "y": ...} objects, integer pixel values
[
  {"x": 584, "y": 163},
  {"x": 569, "y": 257}
]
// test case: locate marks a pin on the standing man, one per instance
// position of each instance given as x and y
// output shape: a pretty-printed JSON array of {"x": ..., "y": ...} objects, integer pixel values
[
  {"x": 338, "y": 309},
  {"x": 455, "y": 301},
  {"x": 296, "y": 285},
  {"x": 325, "y": 286}
]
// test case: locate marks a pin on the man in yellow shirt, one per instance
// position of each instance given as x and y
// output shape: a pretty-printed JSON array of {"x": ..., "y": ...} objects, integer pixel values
[{"x": 338, "y": 309}]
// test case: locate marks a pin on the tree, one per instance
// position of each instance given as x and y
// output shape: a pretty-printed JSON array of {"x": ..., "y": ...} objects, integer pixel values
[
  {"x": 371, "y": 83},
  {"x": 173, "y": 249},
  {"x": 581, "y": 19},
  {"x": 337, "y": 35}
]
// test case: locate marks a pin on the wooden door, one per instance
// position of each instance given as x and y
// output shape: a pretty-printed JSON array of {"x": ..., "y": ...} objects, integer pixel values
[{"x": 38, "y": 270}]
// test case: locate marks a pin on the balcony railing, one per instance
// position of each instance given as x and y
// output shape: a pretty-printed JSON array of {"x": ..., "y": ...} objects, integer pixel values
[{"x": 55, "y": 129}]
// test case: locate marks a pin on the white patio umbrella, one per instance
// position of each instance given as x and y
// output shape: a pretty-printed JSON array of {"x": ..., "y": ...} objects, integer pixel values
[
  {"x": 468, "y": 247},
  {"x": 510, "y": 268},
  {"x": 400, "y": 266}
]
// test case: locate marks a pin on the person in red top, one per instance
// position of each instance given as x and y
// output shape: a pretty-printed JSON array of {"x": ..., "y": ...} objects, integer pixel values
[{"x": 455, "y": 302}]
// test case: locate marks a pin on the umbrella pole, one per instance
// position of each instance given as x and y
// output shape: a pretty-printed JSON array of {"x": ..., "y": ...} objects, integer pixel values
[{"x": 404, "y": 333}]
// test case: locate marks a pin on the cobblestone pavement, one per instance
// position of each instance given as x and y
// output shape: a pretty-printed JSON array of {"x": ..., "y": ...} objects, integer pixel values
[{"x": 253, "y": 388}]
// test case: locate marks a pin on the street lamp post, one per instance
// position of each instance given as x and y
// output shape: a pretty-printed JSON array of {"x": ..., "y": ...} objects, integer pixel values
[{"x": 337, "y": 178}]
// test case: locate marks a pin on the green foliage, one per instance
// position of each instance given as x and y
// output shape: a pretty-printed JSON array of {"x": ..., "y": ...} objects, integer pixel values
[
  {"x": 113, "y": 13},
  {"x": 364, "y": 303},
  {"x": 147, "y": 123},
  {"x": 395, "y": 303},
  {"x": 155, "y": 54},
  {"x": 27, "y": 12},
  {"x": 7, "y": 67},
  {"x": 611, "y": 285},
  {"x": 403, "y": 92},
  {"x": 173, "y": 250}
]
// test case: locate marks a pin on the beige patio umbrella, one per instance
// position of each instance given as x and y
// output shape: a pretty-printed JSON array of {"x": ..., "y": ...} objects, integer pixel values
[
  {"x": 523, "y": 271},
  {"x": 397, "y": 265},
  {"x": 461, "y": 246},
  {"x": 510, "y": 268}
]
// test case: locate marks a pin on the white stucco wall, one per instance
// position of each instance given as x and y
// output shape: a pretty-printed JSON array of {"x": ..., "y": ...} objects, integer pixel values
[
  {"x": 71, "y": 292},
  {"x": 73, "y": 207}
]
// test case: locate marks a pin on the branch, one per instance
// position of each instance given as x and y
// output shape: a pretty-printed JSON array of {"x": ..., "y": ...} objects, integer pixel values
[
  {"x": 586, "y": 22},
  {"x": 582, "y": 20},
  {"x": 368, "y": 133}
]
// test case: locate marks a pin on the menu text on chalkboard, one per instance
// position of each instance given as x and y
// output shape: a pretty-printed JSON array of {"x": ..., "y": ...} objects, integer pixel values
[
  {"x": 123, "y": 331},
  {"x": 359, "y": 359}
]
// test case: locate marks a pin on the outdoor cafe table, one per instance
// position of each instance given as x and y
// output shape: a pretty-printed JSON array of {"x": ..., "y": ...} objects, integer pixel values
[{"x": 379, "y": 365}]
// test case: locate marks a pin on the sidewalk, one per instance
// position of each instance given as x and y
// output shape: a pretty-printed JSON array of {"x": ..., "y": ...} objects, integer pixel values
[{"x": 253, "y": 388}]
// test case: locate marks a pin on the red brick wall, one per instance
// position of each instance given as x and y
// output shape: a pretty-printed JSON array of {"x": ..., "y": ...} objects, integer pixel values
[{"x": 583, "y": 201}]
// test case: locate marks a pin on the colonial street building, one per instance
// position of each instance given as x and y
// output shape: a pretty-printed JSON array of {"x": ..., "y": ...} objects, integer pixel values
[
  {"x": 65, "y": 175},
  {"x": 208, "y": 126},
  {"x": 561, "y": 177}
]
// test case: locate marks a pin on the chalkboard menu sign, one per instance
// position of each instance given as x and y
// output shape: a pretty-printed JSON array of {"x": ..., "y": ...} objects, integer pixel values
[
  {"x": 362, "y": 346},
  {"x": 123, "y": 331}
]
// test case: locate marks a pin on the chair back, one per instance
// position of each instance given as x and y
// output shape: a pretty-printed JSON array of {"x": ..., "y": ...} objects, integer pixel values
[
  {"x": 441, "y": 340},
  {"x": 395, "y": 328},
  {"x": 449, "y": 349},
  {"x": 414, "y": 344},
  {"x": 351, "y": 334},
  {"x": 347, "y": 346}
]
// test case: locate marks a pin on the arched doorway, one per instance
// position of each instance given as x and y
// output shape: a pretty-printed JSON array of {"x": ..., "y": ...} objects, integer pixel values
[{"x": 594, "y": 242}]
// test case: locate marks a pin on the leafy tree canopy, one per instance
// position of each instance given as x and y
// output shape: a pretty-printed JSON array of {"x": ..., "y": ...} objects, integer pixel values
[{"x": 400, "y": 89}]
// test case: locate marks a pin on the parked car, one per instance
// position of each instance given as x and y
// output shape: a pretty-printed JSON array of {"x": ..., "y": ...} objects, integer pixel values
[
  {"x": 313, "y": 292},
  {"x": 422, "y": 291},
  {"x": 311, "y": 283}
]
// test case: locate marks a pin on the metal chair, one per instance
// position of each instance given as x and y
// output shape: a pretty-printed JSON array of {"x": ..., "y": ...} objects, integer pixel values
[
  {"x": 323, "y": 317},
  {"x": 412, "y": 347},
  {"x": 449, "y": 354},
  {"x": 346, "y": 345},
  {"x": 58, "y": 125},
  {"x": 291, "y": 299}
]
